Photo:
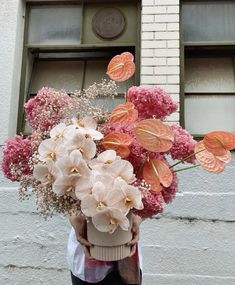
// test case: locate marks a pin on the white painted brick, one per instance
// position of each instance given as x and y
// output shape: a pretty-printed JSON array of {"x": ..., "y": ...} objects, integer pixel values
[
  {"x": 161, "y": 79},
  {"x": 153, "y": 80},
  {"x": 153, "y": 27},
  {"x": 173, "y": 27},
  {"x": 146, "y": 61},
  {"x": 161, "y": 61},
  {"x": 34, "y": 276},
  {"x": 153, "y": 44},
  {"x": 173, "y": 43},
  {"x": 167, "y": 18},
  {"x": 148, "y": 35},
  {"x": 172, "y": 88},
  {"x": 148, "y": 2},
  {"x": 154, "y": 10},
  {"x": 167, "y": 52},
  {"x": 189, "y": 261},
  {"x": 173, "y": 61},
  {"x": 167, "y": 35},
  {"x": 147, "y": 52},
  {"x": 166, "y": 70},
  {"x": 201, "y": 205},
  {"x": 174, "y": 233},
  {"x": 208, "y": 183},
  {"x": 167, "y": 2},
  {"x": 147, "y": 18},
  {"x": 189, "y": 279},
  {"x": 147, "y": 70},
  {"x": 173, "y": 79},
  {"x": 175, "y": 97},
  {"x": 173, "y": 9},
  {"x": 173, "y": 117},
  {"x": 150, "y": 79}
]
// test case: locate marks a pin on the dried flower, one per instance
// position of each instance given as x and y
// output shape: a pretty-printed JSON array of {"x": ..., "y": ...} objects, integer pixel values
[
  {"x": 16, "y": 156},
  {"x": 183, "y": 145},
  {"x": 151, "y": 102},
  {"x": 46, "y": 109}
]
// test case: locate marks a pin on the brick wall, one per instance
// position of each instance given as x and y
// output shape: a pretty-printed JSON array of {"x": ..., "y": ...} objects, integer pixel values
[{"x": 160, "y": 47}]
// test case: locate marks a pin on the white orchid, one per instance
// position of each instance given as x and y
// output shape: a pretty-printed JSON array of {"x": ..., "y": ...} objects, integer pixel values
[
  {"x": 87, "y": 147},
  {"x": 50, "y": 150},
  {"x": 109, "y": 219},
  {"x": 105, "y": 178},
  {"x": 130, "y": 196},
  {"x": 123, "y": 169},
  {"x": 96, "y": 201},
  {"x": 46, "y": 173},
  {"x": 72, "y": 185},
  {"x": 58, "y": 132},
  {"x": 73, "y": 164},
  {"x": 104, "y": 160},
  {"x": 87, "y": 126}
]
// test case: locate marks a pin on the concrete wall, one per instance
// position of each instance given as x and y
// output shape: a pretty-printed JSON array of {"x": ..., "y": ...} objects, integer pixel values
[{"x": 191, "y": 244}]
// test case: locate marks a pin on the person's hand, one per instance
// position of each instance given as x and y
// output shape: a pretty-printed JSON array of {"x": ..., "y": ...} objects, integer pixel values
[
  {"x": 136, "y": 221},
  {"x": 79, "y": 224}
]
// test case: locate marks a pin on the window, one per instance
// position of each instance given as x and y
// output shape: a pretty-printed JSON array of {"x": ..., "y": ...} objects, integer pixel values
[
  {"x": 209, "y": 65},
  {"x": 68, "y": 45}
]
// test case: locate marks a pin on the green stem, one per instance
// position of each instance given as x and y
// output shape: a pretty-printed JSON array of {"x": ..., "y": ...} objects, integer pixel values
[
  {"x": 186, "y": 168},
  {"x": 187, "y": 157}
]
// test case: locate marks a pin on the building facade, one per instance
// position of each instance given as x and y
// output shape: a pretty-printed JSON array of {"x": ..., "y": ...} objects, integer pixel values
[{"x": 187, "y": 48}]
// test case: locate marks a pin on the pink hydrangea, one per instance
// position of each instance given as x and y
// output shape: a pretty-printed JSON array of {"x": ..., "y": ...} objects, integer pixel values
[
  {"x": 16, "y": 155},
  {"x": 151, "y": 102},
  {"x": 184, "y": 144},
  {"x": 170, "y": 192},
  {"x": 46, "y": 109},
  {"x": 153, "y": 204}
]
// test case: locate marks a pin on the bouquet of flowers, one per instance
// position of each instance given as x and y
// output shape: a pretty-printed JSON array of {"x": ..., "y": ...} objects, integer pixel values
[{"x": 79, "y": 158}]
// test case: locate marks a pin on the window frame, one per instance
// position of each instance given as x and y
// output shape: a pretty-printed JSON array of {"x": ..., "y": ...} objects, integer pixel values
[
  {"x": 30, "y": 48},
  {"x": 198, "y": 47}
]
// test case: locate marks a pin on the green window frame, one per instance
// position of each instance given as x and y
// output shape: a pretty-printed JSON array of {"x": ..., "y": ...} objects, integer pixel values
[
  {"x": 84, "y": 52},
  {"x": 205, "y": 50}
]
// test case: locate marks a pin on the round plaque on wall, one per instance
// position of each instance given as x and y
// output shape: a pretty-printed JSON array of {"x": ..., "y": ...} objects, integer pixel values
[{"x": 108, "y": 23}]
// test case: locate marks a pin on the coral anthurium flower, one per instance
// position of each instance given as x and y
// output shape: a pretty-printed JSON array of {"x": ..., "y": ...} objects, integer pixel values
[
  {"x": 154, "y": 135},
  {"x": 121, "y": 67},
  {"x": 156, "y": 172},
  {"x": 219, "y": 142},
  {"x": 124, "y": 113},
  {"x": 209, "y": 161},
  {"x": 119, "y": 142},
  {"x": 109, "y": 219}
]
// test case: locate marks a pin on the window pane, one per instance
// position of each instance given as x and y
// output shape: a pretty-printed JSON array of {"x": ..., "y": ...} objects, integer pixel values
[
  {"x": 61, "y": 74},
  {"x": 209, "y": 75},
  {"x": 207, "y": 113},
  {"x": 96, "y": 70},
  {"x": 109, "y": 104},
  {"x": 209, "y": 21},
  {"x": 54, "y": 25}
]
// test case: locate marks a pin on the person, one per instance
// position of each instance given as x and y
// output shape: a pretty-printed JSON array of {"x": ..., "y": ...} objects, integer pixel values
[{"x": 85, "y": 270}]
